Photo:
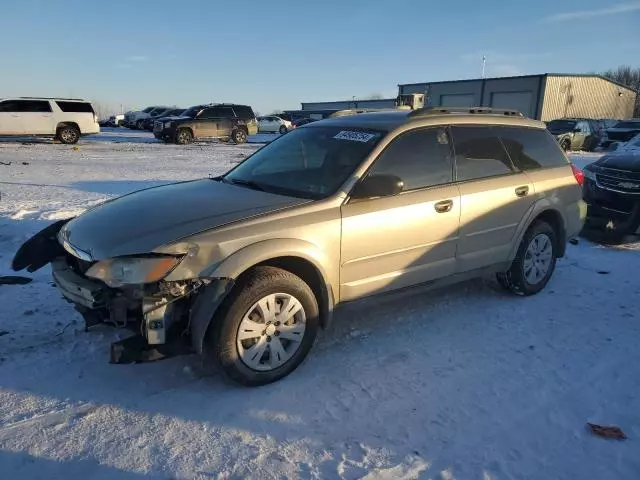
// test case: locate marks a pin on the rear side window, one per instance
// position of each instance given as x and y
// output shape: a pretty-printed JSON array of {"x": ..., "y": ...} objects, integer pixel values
[
  {"x": 245, "y": 112},
  {"x": 25, "y": 106},
  {"x": 531, "y": 148},
  {"x": 75, "y": 107},
  {"x": 420, "y": 158},
  {"x": 479, "y": 153}
]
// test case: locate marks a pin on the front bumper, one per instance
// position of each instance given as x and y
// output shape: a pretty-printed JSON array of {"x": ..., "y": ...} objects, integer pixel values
[
  {"x": 613, "y": 211},
  {"x": 77, "y": 289}
]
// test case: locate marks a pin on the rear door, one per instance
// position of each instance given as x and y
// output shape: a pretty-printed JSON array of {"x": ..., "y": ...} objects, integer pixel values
[
  {"x": 226, "y": 121},
  {"x": 406, "y": 239},
  {"x": 494, "y": 197}
]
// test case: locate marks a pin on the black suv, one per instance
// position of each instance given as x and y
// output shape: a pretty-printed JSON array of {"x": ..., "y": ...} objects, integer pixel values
[
  {"x": 148, "y": 123},
  {"x": 611, "y": 190},
  {"x": 223, "y": 121}
]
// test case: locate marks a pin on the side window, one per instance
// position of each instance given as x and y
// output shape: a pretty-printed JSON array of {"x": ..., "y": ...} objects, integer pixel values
[
  {"x": 25, "y": 106},
  {"x": 75, "y": 107},
  {"x": 10, "y": 106},
  {"x": 479, "y": 153},
  {"x": 227, "y": 112},
  {"x": 213, "y": 112},
  {"x": 531, "y": 148},
  {"x": 244, "y": 112},
  {"x": 420, "y": 158}
]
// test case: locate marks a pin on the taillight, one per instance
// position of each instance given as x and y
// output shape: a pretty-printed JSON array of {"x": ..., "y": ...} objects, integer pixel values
[{"x": 578, "y": 174}]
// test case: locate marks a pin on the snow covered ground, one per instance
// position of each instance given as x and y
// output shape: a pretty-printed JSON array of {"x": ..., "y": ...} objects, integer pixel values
[{"x": 464, "y": 383}]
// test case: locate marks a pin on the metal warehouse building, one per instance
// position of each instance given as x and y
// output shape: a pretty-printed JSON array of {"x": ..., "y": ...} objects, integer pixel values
[
  {"x": 543, "y": 97},
  {"x": 343, "y": 105}
]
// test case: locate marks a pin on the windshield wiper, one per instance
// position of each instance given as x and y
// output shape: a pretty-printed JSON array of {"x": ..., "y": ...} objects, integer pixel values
[{"x": 245, "y": 183}]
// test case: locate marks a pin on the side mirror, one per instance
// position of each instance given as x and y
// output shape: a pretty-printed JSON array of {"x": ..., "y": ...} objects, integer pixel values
[{"x": 377, "y": 186}]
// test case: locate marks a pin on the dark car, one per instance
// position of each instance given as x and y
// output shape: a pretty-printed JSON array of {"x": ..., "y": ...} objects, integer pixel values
[
  {"x": 223, "y": 121},
  {"x": 611, "y": 190},
  {"x": 575, "y": 133},
  {"x": 622, "y": 131},
  {"x": 148, "y": 123},
  {"x": 301, "y": 122}
]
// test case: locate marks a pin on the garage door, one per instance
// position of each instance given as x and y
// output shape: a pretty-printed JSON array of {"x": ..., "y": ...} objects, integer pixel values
[
  {"x": 520, "y": 101},
  {"x": 457, "y": 100}
]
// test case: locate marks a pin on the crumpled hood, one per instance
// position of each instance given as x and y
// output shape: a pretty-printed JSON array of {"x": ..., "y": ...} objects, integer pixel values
[{"x": 142, "y": 221}]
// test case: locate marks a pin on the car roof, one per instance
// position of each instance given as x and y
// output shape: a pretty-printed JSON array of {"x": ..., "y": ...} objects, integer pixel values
[
  {"x": 47, "y": 98},
  {"x": 392, "y": 119}
]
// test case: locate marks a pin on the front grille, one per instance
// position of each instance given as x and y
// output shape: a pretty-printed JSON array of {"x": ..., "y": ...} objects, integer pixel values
[
  {"x": 619, "y": 181},
  {"x": 157, "y": 126}
]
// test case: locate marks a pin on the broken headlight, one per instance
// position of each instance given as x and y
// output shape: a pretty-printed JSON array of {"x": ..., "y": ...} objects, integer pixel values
[{"x": 117, "y": 272}]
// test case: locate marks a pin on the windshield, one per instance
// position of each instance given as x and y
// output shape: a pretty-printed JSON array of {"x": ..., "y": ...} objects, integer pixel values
[
  {"x": 147, "y": 110},
  {"x": 176, "y": 113},
  {"x": 561, "y": 125},
  {"x": 627, "y": 125},
  {"x": 307, "y": 163},
  {"x": 191, "y": 112}
]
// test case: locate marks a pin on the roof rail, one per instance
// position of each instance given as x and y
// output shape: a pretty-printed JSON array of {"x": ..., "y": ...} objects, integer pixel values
[
  {"x": 422, "y": 112},
  {"x": 54, "y": 98}
]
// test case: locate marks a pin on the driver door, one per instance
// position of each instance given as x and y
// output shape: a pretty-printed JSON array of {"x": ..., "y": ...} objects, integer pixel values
[
  {"x": 205, "y": 124},
  {"x": 580, "y": 136},
  {"x": 398, "y": 241}
]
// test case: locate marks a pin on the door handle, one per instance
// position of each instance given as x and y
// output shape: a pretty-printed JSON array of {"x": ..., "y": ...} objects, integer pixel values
[
  {"x": 522, "y": 191},
  {"x": 444, "y": 206}
]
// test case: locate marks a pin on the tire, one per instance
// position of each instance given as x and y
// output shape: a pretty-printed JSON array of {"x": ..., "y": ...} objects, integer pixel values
[
  {"x": 184, "y": 136},
  {"x": 526, "y": 281},
  {"x": 68, "y": 134},
  {"x": 239, "y": 136},
  {"x": 234, "y": 355},
  {"x": 140, "y": 125},
  {"x": 283, "y": 129},
  {"x": 566, "y": 145}
]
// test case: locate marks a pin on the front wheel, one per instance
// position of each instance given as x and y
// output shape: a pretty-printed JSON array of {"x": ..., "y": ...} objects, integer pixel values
[
  {"x": 184, "y": 136},
  {"x": 566, "y": 144},
  {"x": 68, "y": 134},
  {"x": 265, "y": 328},
  {"x": 535, "y": 261},
  {"x": 239, "y": 136},
  {"x": 283, "y": 129}
]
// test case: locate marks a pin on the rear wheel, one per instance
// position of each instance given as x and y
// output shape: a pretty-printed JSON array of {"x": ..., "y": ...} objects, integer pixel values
[
  {"x": 265, "y": 328},
  {"x": 184, "y": 136},
  {"x": 283, "y": 129},
  {"x": 239, "y": 136},
  {"x": 68, "y": 134},
  {"x": 535, "y": 261}
]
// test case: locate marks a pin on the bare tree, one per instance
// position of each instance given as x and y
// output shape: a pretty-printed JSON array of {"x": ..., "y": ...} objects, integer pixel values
[{"x": 628, "y": 76}]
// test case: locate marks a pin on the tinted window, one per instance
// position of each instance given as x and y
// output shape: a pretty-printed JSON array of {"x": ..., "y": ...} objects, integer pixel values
[
  {"x": 147, "y": 110},
  {"x": 217, "y": 112},
  {"x": 78, "y": 107},
  {"x": 420, "y": 158},
  {"x": 244, "y": 112},
  {"x": 624, "y": 124},
  {"x": 561, "y": 126},
  {"x": 530, "y": 148},
  {"x": 479, "y": 153},
  {"x": 25, "y": 106}
]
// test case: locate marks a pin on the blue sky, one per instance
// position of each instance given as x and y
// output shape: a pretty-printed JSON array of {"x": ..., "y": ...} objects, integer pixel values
[{"x": 276, "y": 54}]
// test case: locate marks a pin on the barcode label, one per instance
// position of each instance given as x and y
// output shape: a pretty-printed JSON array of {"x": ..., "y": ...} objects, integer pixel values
[{"x": 354, "y": 136}]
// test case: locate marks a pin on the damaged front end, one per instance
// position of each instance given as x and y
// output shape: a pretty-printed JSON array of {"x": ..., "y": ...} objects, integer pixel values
[{"x": 127, "y": 292}]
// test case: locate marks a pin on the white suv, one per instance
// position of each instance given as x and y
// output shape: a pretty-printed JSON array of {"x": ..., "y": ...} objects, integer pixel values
[{"x": 66, "y": 119}]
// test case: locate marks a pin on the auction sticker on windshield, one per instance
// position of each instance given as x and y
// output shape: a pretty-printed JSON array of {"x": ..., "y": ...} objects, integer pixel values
[{"x": 355, "y": 136}]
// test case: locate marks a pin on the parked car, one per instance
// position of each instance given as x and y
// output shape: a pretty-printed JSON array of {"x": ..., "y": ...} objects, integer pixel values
[
  {"x": 622, "y": 131},
  {"x": 65, "y": 119},
  {"x": 135, "y": 119},
  {"x": 249, "y": 265},
  {"x": 273, "y": 124},
  {"x": 612, "y": 193},
  {"x": 575, "y": 133},
  {"x": 112, "y": 121},
  {"x": 147, "y": 123},
  {"x": 223, "y": 121}
]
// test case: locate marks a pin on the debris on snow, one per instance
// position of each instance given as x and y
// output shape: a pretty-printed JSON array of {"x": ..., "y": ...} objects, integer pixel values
[{"x": 609, "y": 431}]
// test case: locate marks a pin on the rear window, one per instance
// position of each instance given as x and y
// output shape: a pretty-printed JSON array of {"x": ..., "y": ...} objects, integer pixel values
[
  {"x": 244, "y": 112},
  {"x": 531, "y": 148},
  {"x": 75, "y": 107}
]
